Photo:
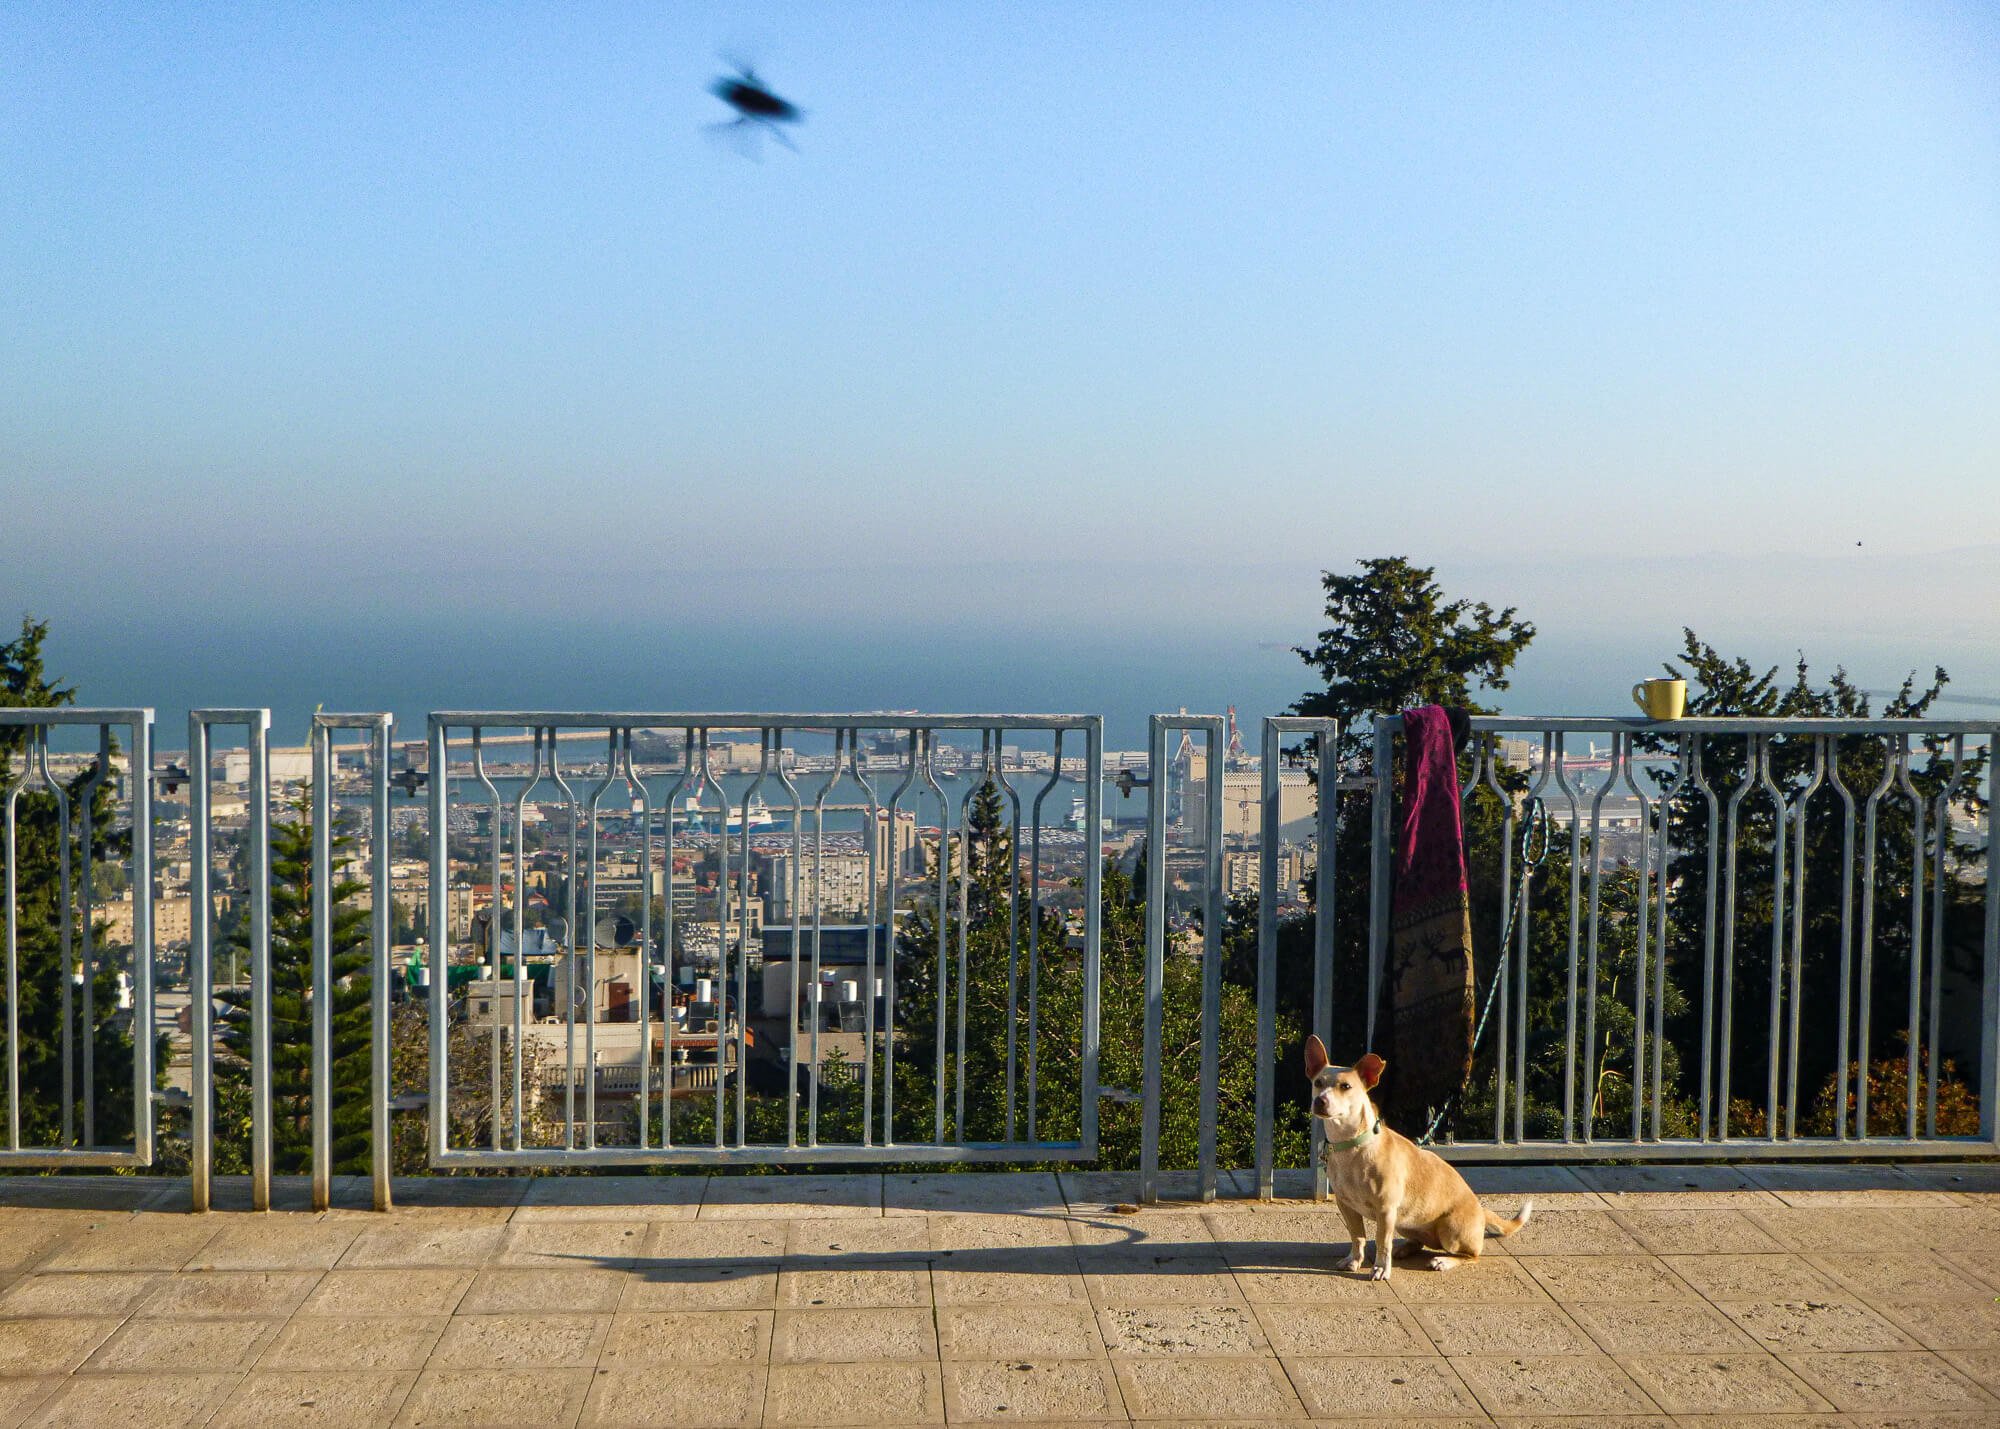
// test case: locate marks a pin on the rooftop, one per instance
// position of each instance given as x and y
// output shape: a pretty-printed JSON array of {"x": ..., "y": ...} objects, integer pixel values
[{"x": 1837, "y": 1294}]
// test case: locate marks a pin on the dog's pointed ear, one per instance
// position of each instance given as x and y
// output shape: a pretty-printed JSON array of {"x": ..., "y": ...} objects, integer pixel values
[
  {"x": 1316, "y": 1058},
  {"x": 1369, "y": 1069}
]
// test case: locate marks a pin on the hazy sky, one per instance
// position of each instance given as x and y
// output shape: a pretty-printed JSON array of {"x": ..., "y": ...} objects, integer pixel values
[{"x": 458, "y": 307}]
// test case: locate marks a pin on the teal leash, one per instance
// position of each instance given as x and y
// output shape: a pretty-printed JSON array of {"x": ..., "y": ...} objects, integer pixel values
[{"x": 1537, "y": 816}]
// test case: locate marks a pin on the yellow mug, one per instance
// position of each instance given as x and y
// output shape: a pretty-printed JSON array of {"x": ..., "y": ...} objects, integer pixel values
[{"x": 1661, "y": 699}]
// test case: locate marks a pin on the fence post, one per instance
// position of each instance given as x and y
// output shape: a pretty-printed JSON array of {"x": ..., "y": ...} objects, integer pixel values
[{"x": 1156, "y": 938}]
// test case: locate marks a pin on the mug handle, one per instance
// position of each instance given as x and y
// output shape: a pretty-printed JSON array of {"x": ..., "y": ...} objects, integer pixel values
[{"x": 1639, "y": 698}]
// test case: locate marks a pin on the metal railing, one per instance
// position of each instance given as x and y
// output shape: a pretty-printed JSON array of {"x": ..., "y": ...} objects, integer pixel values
[
  {"x": 1709, "y": 894},
  {"x": 1729, "y": 937},
  {"x": 678, "y": 769},
  {"x": 77, "y": 954}
]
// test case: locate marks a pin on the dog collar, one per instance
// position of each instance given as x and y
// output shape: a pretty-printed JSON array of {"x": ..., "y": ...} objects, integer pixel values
[{"x": 1354, "y": 1141}]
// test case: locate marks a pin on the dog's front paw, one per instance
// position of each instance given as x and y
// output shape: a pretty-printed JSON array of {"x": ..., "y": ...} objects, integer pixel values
[
  {"x": 1444, "y": 1262},
  {"x": 1382, "y": 1265},
  {"x": 1352, "y": 1263}
]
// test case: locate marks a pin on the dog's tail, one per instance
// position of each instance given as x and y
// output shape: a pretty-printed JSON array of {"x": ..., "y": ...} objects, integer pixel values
[{"x": 1500, "y": 1225}]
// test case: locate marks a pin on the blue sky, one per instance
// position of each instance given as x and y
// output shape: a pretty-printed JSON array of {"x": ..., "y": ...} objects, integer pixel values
[{"x": 422, "y": 308}]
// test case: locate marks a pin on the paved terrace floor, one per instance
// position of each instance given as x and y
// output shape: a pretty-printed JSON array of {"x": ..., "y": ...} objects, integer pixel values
[{"x": 1638, "y": 1295}]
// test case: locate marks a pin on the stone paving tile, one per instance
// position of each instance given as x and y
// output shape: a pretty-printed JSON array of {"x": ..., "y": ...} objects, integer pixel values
[
  {"x": 839, "y": 1241},
  {"x": 1531, "y": 1329},
  {"x": 1313, "y": 1330},
  {"x": 1908, "y": 1276},
  {"x": 50, "y": 1345},
  {"x": 330, "y": 1343},
  {"x": 276, "y": 1245},
  {"x": 714, "y": 1243},
  {"x": 191, "y": 1346},
  {"x": 387, "y": 1292},
  {"x": 1027, "y": 1388},
  {"x": 199, "y": 1294},
  {"x": 1648, "y": 1178},
  {"x": 1489, "y": 1278},
  {"x": 791, "y": 1198},
  {"x": 1902, "y": 1382},
  {"x": 853, "y": 1336},
  {"x": 1980, "y": 1366},
  {"x": 887, "y": 1286},
  {"x": 899, "y": 1392},
  {"x": 1603, "y": 1277},
  {"x": 444, "y": 1244},
  {"x": 1577, "y": 1232},
  {"x": 1551, "y": 1384},
  {"x": 1834, "y": 1228},
  {"x": 1752, "y": 1277},
  {"x": 712, "y": 1396},
  {"x": 1181, "y": 1330},
  {"x": 143, "y": 1401},
  {"x": 1032, "y": 1332},
  {"x": 1096, "y": 1191},
  {"x": 574, "y": 1245},
  {"x": 233, "y": 1194},
  {"x": 503, "y": 1292},
  {"x": 1278, "y": 1239},
  {"x": 28, "y": 1243},
  {"x": 1326, "y": 1286},
  {"x": 1032, "y": 1280},
  {"x": 1395, "y": 1386},
  {"x": 1199, "y": 1389},
  {"x": 101, "y": 1292},
  {"x": 1799, "y": 1325},
  {"x": 611, "y": 1198},
  {"x": 995, "y": 1231},
  {"x": 1544, "y": 1183},
  {"x": 1947, "y": 1324},
  {"x": 700, "y": 1287},
  {"x": 1722, "y": 1383},
  {"x": 1703, "y": 1232},
  {"x": 1949, "y": 1227},
  {"x": 1630, "y": 1327},
  {"x": 1154, "y": 1233},
  {"x": 520, "y": 1341},
  {"x": 676, "y": 1337},
  {"x": 990, "y": 1191},
  {"x": 270, "y": 1397},
  {"x": 18, "y": 1397},
  {"x": 527, "y": 1399},
  {"x": 146, "y": 1241},
  {"x": 1195, "y": 1281}
]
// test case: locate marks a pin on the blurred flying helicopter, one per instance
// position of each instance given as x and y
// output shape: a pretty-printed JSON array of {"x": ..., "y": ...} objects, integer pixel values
[{"x": 758, "y": 108}]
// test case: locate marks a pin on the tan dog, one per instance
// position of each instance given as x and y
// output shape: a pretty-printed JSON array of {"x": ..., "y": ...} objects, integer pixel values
[{"x": 1380, "y": 1176}]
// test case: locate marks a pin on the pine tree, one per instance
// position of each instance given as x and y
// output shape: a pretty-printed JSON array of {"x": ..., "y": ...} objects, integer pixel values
[{"x": 291, "y": 1015}]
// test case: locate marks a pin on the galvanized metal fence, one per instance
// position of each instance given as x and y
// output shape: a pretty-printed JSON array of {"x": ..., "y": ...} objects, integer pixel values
[
  {"x": 1708, "y": 896},
  {"x": 72, "y": 935},
  {"x": 1638, "y": 947},
  {"x": 684, "y": 779}
]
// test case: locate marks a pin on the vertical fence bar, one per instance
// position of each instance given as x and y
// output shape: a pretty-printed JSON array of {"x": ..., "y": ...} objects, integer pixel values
[
  {"x": 260, "y": 961},
  {"x": 1381, "y": 865},
  {"x": 964, "y": 929},
  {"x": 495, "y": 1069},
  {"x": 86, "y": 822},
  {"x": 1774, "y": 1033},
  {"x": 201, "y": 974},
  {"x": 1870, "y": 826},
  {"x": 1798, "y": 953},
  {"x": 14, "y": 956},
  {"x": 1013, "y": 923},
  {"x": 1725, "y": 1034},
  {"x": 1844, "y": 1001},
  {"x": 1211, "y": 960},
  {"x": 1326, "y": 829},
  {"x": 1035, "y": 930},
  {"x": 1663, "y": 853},
  {"x": 1941, "y": 836},
  {"x": 1560, "y": 755},
  {"x": 440, "y": 781},
  {"x": 1093, "y": 915},
  {"x": 140, "y": 768},
  {"x": 1989, "y": 959},
  {"x": 1156, "y": 941},
  {"x": 1917, "y": 864},
  {"x": 1267, "y": 953},
  {"x": 611, "y": 775},
  {"x": 383, "y": 930},
  {"x": 64, "y": 963},
  {"x": 322, "y": 966}
]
